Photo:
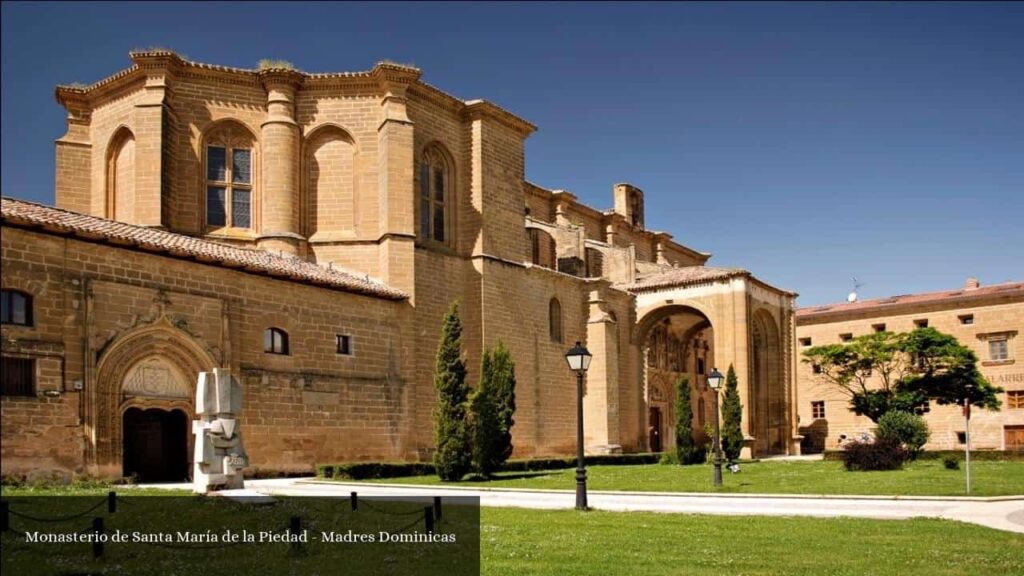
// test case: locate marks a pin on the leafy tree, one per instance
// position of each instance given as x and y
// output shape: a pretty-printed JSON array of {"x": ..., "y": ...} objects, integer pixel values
[
  {"x": 686, "y": 448},
  {"x": 486, "y": 431},
  {"x": 884, "y": 371},
  {"x": 451, "y": 429},
  {"x": 504, "y": 387},
  {"x": 910, "y": 430},
  {"x": 732, "y": 418}
]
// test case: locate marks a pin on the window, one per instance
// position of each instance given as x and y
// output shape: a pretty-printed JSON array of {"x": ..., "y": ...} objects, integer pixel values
[
  {"x": 846, "y": 337},
  {"x": 805, "y": 342},
  {"x": 961, "y": 437},
  {"x": 818, "y": 409},
  {"x": 924, "y": 408},
  {"x": 878, "y": 327},
  {"x": 966, "y": 319},
  {"x": 700, "y": 412},
  {"x": 229, "y": 178},
  {"x": 816, "y": 368},
  {"x": 700, "y": 366},
  {"x": 998, "y": 350},
  {"x": 435, "y": 185},
  {"x": 18, "y": 376},
  {"x": 344, "y": 344},
  {"x": 1015, "y": 399},
  {"x": 275, "y": 341},
  {"x": 921, "y": 323},
  {"x": 555, "y": 320},
  {"x": 15, "y": 308}
]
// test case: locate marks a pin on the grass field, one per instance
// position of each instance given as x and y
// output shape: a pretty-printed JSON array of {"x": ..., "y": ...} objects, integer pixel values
[
  {"x": 567, "y": 543},
  {"x": 923, "y": 478}
]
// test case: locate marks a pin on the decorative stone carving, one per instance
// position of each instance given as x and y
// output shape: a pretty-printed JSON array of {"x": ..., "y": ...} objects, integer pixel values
[
  {"x": 155, "y": 378},
  {"x": 219, "y": 454}
]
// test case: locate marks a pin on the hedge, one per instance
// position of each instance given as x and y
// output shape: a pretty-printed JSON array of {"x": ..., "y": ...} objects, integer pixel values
[
  {"x": 976, "y": 455},
  {"x": 377, "y": 470}
]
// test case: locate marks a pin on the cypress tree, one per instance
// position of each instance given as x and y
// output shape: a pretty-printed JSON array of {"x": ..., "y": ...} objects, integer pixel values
[
  {"x": 485, "y": 429},
  {"x": 732, "y": 417},
  {"x": 451, "y": 429},
  {"x": 686, "y": 449},
  {"x": 504, "y": 390}
]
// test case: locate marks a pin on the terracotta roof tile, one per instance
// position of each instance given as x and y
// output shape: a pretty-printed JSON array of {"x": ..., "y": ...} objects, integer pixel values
[
  {"x": 682, "y": 276},
  {"x": 1011, "y": 288},
  {"x": 29, "y": 214}
]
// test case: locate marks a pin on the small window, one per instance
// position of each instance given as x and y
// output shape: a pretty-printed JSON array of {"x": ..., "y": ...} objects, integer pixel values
[
  {"x": 818, "y": 409},
  {"x": 15, "y": 308},
  {"x": 1015, "y": 399},
  {"x": 555, "y": 320},
  {"x": 19, "y": 377},
  {"x": 846, "y": 337},
  {"x": 878, "y": 327},
  {"x": 275, "y": 341},
  {"x": 344, "y": 344},
  {"x": 961, "y": 437},
  {"x": 998, "y": 350},
  {"x": 816, "y": 368},
  {"x": 805, "y": 342},
  {"x": 924, "y": 408},
  {"x": 700, "y": 366},
  {"x": 921, "y": 323},
  {"x": 966, "y": 319}
]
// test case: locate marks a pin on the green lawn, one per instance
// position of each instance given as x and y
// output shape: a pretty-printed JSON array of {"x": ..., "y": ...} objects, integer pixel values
[
  {"x": 639, "y": 543},
  {"x": 923, "y": 478}
]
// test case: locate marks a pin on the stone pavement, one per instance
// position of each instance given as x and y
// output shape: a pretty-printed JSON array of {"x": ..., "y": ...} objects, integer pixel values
[{"x": 1002, "y": 513}]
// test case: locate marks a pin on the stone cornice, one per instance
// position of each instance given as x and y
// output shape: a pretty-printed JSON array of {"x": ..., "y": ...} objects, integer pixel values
[{"x": 475, "y": 109}]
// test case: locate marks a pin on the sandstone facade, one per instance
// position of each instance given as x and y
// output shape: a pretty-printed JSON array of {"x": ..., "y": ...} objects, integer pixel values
[{"x": 360, "y": 205}]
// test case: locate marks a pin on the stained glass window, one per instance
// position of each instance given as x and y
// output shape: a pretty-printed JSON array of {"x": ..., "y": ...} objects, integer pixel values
[
  {"x": 241, "y": 208},
  {"x": 229, "y": 177},
  {"x": 241, "y": 166},
  {"x": 216, "y": 214},
  {"x": 216, "y": 165},
  {"x": 434, "y": 185}
]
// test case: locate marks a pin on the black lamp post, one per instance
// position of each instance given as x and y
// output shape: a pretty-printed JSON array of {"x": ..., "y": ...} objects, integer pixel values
[
  {"x": 715, "y": 383},
  {"x": 579, "y": 360}
]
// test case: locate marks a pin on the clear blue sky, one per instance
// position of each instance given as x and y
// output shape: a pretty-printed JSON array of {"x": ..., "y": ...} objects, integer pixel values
[{"x": 806, "y": 142}]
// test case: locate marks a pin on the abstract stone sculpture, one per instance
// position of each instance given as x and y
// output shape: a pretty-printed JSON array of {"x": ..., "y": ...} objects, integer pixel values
[{"x": 219, "y": 453}]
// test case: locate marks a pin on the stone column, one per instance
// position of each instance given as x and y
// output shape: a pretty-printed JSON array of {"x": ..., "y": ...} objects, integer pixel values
[
  {"x": 73, "y": 156},
  {"x": 279, "y": 152},
  {"x": 602, "y": 432},
  {"x": 148, "y": 128}
]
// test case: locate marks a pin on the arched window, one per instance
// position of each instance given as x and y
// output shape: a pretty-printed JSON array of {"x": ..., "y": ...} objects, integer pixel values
[
  {"x": 435, "y": 195},
  {"x": 275, "y": 341},
  {"x": 555, "y": 320},
  {"x": 15, "y": 308},
  {"x": 121, "y": 176},
  {"x": 229, "y": 177}
]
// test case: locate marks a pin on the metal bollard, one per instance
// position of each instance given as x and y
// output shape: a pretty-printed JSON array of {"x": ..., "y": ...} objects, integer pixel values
[
  {"x": 111, "y": 502},
  {"x": 355, "y": 501},
  {"x": 97, "y": 544}
]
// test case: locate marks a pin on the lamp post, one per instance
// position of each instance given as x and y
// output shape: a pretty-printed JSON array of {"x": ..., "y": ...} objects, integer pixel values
[
  {"x": 579, "y": 360},
  {"x": 967, "y": 434},
  {"x": 715, "y": 382}
]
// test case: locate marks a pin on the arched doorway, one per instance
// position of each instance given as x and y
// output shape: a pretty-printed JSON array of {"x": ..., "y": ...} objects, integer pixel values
[
  {"x": 767, "y": 395},
  {"x": 155, "y": 445},
  {"x": 675, "y": 342}
]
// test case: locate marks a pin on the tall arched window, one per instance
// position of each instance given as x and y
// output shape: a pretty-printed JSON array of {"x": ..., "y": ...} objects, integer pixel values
[
  {"x": 229, "y": 177},
  {"x": 275, "y": 341},
  {"x": 435, "y": 182},
  {"x": 15, "y": 308},
  {"x": 121, "y": 176},
  {"x": 555, "y": 320}
]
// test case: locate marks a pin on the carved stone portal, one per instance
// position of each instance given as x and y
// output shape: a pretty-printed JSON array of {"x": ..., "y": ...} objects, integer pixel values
[{"x": 219, "y": 454}]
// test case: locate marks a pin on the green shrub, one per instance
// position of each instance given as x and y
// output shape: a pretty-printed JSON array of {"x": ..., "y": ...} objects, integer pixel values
[
  {"x": 732, "y": 418},
  {"x": 484, "y": 424},
  {"x": 687, "y": 450},
  {"x": 951, "y": 462},
  {"x": 669, "y": 458},
  {"x": 453, "y": 454},
  {"x": 908, "y": 429}
]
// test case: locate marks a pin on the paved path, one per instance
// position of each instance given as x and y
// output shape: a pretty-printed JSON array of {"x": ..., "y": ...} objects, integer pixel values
[{"x": 1000, "y": 513}]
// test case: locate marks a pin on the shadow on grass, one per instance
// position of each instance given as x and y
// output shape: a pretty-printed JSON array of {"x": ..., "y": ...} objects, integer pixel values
[{"x": 516, "y": 476}]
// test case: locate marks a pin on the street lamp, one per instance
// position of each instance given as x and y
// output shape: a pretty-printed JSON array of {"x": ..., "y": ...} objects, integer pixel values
[
  {"x": 579, "y": 360},
  {"x": 715, "y": 383}
]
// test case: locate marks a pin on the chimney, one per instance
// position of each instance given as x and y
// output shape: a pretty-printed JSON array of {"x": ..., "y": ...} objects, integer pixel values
[{"x": 972, "y": 283}]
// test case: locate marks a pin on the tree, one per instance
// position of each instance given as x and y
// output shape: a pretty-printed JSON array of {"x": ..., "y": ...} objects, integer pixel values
[
  {"x": 486, "y": 432},
  {"x": 732, "y": 417},
  {"x": 686, "y": 448},
  {"x": 504, "y": 387},
  {"x": 885, "y": 371},
  {"x": 451, "y": 429}
]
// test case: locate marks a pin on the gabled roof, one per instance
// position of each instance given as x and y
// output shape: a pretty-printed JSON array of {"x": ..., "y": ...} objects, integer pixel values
[
  {"x": 882, "y": 305},
  {"x": 24, "y": 214}
]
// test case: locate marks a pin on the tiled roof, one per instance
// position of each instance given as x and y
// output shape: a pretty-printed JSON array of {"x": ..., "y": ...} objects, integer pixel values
[
  {"x": 1007, "y": 288},
  {"x": 682, "y": 276},
  {"x": 31, "y": 215}
]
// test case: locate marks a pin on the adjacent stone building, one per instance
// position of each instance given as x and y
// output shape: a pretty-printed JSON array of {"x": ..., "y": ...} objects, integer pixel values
[
  {"x": 987, "y": 319},
  {"x": 307, "y": 232}
]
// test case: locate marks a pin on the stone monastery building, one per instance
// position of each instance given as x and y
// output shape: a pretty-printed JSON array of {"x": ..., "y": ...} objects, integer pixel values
[{"x": 308, "y": 232}]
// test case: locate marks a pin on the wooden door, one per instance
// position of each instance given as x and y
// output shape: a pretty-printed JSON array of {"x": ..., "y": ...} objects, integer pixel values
[
  {"x": 1014, "y": 436},
  {"x": 654, "y": 432}
]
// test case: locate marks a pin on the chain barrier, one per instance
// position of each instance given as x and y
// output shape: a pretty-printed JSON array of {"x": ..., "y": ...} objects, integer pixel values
[{"x": 60, "y": 518}]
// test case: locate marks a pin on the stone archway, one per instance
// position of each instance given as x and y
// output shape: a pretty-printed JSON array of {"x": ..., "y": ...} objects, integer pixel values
[
  {"x": 767, "y": 395},
  {"x": 151, "y": 367}
]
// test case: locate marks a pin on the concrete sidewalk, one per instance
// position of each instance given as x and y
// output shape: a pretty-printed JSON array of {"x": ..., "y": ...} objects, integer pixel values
[{"x": 1002, "y": 513}]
